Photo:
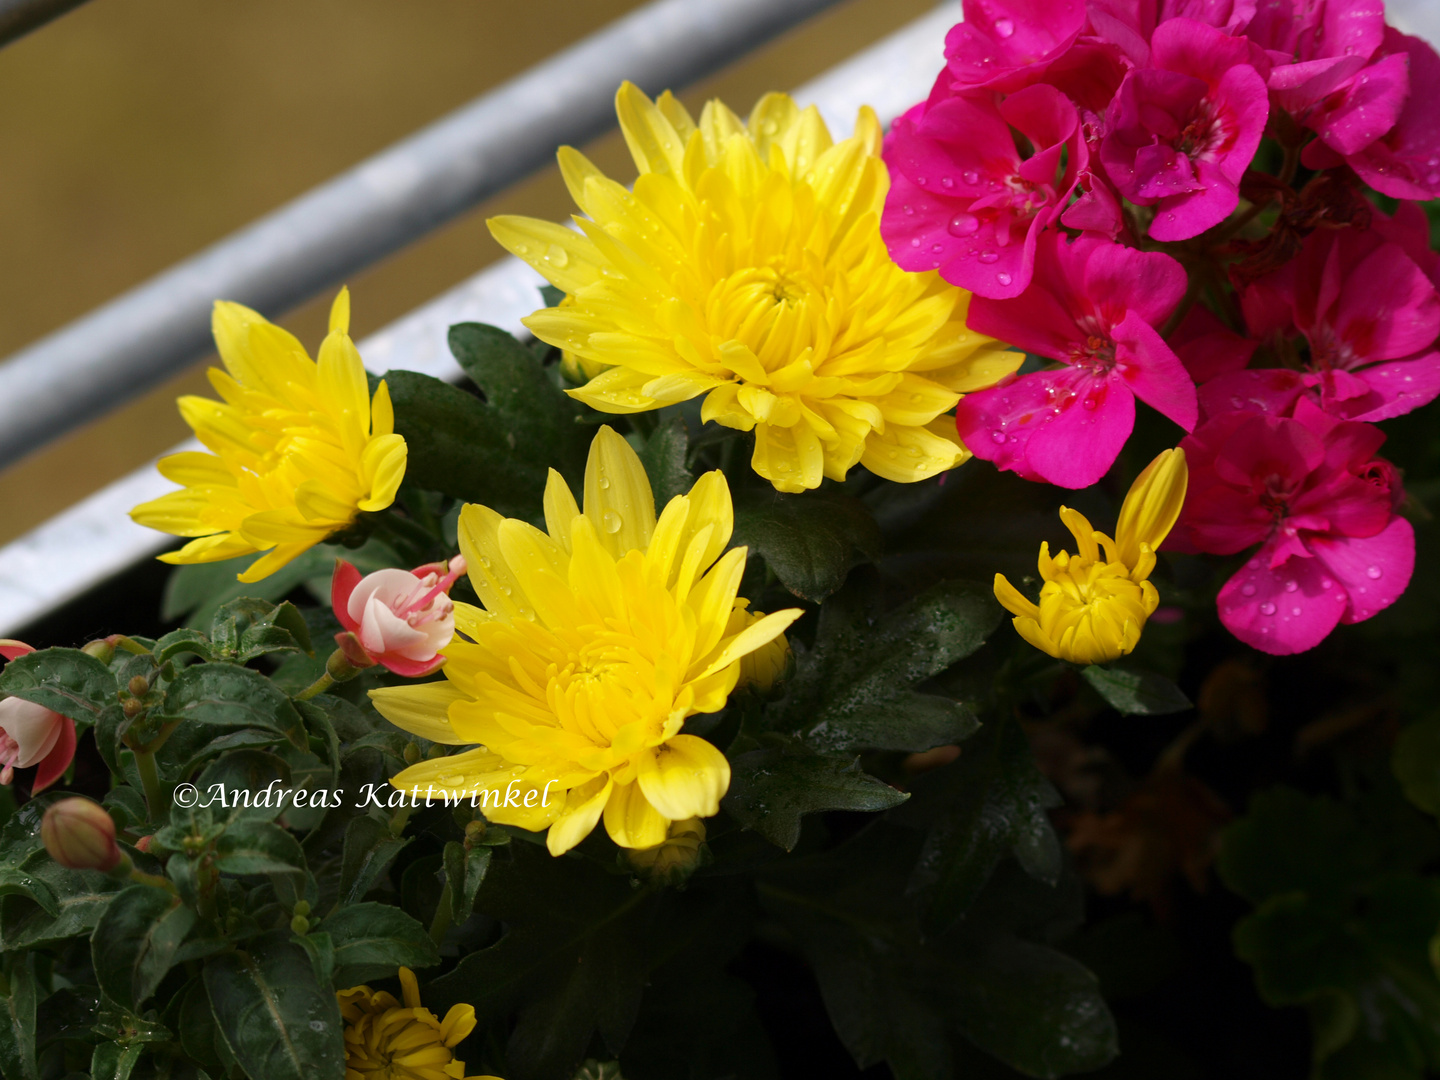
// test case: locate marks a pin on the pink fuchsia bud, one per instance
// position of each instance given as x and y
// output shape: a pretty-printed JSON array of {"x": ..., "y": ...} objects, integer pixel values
[
  {"x": 80, "y": 835},
  {"x": 31, "y": 734},
  {"x": 397, "y": 618},
  {"x": 10, "y": 648}
]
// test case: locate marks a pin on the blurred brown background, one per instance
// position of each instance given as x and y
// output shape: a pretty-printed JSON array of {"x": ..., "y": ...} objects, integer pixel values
[{"x": 135, "y": 132}]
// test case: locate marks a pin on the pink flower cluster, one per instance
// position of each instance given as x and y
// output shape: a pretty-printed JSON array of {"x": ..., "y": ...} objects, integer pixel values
[{"x": 1068, "y": 168}]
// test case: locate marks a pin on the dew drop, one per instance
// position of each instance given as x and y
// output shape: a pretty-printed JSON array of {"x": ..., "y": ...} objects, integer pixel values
[
  {"x": 1291, "y": 586},
  {"x": 1326, "y": 583},
  {"x": 946, "y": 181},
  {"x": 914, "y": 241},
  {"x": 909, "y": 210},
  {"x": 1247, "y": 590},
  {"x": 1003, "y": 278},
  {"x": 1295, "y": 612},
  {"x": 964, "y": 225},
  {"x": 1267, "y": 608},
  {"x": 556, "y": 255},
  {"x": 998, "y": 436},
  {"x": 1089, "y": 403},
  {"x": 1374, "y": 573},
  {"x": 989, "y": 257},
  {"x": 611, "y": 521},
  {"x": 1004, "y": 27},
  {"x": 921, "y": 181},
  {"x": 937, "y": 248},
  {"x": 970, "y": 176}
]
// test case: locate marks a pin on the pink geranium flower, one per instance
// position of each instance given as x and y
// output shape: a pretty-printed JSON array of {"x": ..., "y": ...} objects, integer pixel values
[
  {"x": 400, "y": 619},
  {"x": 963, "y": 199},
  {"x": 1404, "y": 161},
  {"x": 1322, "y": 71},
  {"x": 1008, "y": 44},
  {"x": 1183, "y": 131},
  {"x": 1094, "y": 306},
  {"x": 1311, "y": 493},
  {"x": 31, "y": 734},
  {"x": 1370, "y": 316}
]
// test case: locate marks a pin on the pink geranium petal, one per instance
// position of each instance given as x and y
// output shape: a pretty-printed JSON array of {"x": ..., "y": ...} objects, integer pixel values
[
  {"x": 1077, "y": 437},
  {"x": 1399, "y": 387},
  {"x": 1272, "y": 391},
  {"x": 1284, "y": 610},
  {"x": 1368, "y": 107},
  {"x": 1373, "y": 570},
  {"x": 1153, "y": 372}
]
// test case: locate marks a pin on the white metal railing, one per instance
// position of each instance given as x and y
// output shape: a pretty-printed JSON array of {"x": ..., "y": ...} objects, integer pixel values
[{"x": 95, "y": 539}]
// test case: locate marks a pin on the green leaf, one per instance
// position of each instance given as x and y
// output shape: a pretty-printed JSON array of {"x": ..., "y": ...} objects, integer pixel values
[
  {"x": 135, "y": 942},
  {"x": 809, "y": 541},
  {"x": 253, "y": 785},
  {"x": 179, "y": 642},
  {"x": 229, "y": 696},
  {"x": 199, "y": 1034},
  {"x": 464, "y": 873},
  {"x": 771, "y": 789},
  {"x": 258, "y": 847},
  {"x": 664, "y": 461},
  {"x": 1136, "y": 693},
  {"x": 246, "y": 627},
  {"x": 577, "y": 953},
  {"x": 1290, "y": 842},
  {"x": 373, "y": 940},
  {"x": 274, "y": 1016},
  {"x": 370, "y": 848},
  {"x": 17, "y": 1025},
  {"x": 111, "y": 1061},
  {"x": 853, "y": 691},
  {"x": 1415, "y": 761},
  {"x": 898, "y": 995},
  {"x": 81, "y": 897},
  {"x": 497, "y": 451},
  {"x": 991, "y": 802},
  {"x": 68, "y": 681}
]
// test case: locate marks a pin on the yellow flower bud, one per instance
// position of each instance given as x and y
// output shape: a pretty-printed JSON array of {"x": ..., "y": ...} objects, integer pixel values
[
  {"x": 1094, "y": 604},
  {"x": 681, "y": 853}
]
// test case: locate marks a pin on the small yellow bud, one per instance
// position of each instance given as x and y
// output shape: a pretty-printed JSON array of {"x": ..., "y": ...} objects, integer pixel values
[
  {"x": 80, "y": 835},
  {"x": 139, "y": 686},
  {"x": 681, "y": 853}
]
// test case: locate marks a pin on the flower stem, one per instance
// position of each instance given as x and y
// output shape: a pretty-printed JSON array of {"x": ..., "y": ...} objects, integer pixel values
[
  {"x": 319, "y": 686},
  {"x": 155, "y": 801},
  {"x": 441, "y": 923}
]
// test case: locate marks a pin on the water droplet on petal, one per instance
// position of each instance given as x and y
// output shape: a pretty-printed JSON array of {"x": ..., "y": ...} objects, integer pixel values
[
  {"x": 611, "y": 521},
  {"x": 556, "y": 255},
  {"x": 989, "y": 257},
  {"x": 946, "y": 181},
  {"x": 998, "y": 436},
  {"x": 1267, "y": 608},
  {"x": 914, "y": 241},
  {"x": 1374, "y": 573},
  {"x": 1295, "y": 612},
  {"x": 937, "y": 248},
  {"x": 964, "y": 224},
  {"x": 1291, "y": 586},
  {"x": 1004, "y": 27},
  {"x": 1003, "y": 278},
  {"x": 1326, "y": 583},
  {"x": 921, "y": 181},
  {"x": 970, "y": 176},
  {"x": 1247, "y": 589}
]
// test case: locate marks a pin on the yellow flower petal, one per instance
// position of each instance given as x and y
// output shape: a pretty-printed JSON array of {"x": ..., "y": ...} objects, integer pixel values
[
  {"x": 684, "y": 778},
  {"x": 422, "y": 709}
]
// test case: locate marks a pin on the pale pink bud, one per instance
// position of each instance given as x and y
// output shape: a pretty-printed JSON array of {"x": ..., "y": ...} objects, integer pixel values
[
  {"x": 80, "y": 835},
  {"x": 400, "y": 619}
]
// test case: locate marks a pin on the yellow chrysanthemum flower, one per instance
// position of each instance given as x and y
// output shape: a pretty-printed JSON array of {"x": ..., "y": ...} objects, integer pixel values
[
  {"x": 596, "y": 642},
  {"x": 747, "y": 265},
  {"x": 385, "y": 1040},
  {"x": 1092, "y": 609},
  {"x": 297, "y": 448}
]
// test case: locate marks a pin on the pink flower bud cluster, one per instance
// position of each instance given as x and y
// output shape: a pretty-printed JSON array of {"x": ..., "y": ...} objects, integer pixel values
[{"x": 1088, "y": 169}]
